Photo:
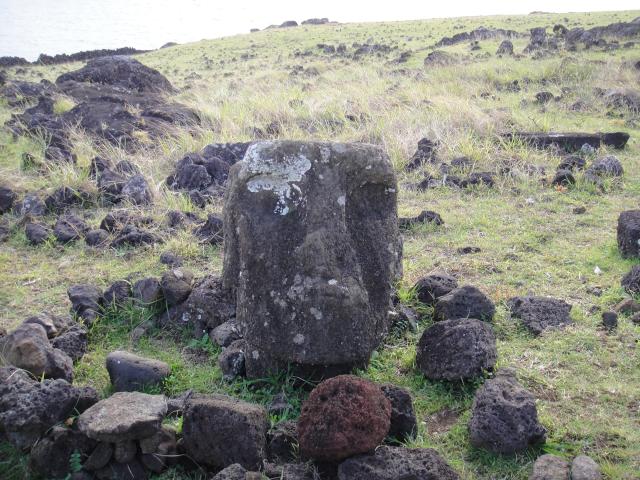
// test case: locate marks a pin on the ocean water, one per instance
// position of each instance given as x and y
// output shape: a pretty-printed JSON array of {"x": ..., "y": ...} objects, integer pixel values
[{"x": 31, "y": 27}]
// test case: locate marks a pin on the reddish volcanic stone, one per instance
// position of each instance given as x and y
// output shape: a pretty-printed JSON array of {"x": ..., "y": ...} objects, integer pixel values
[{"x": 343, "y": 416}]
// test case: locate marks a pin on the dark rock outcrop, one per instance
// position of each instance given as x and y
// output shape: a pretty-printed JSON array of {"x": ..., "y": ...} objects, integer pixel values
[
  {"x": 571, "y": 142},
  {"x": 105, "y": 90},
  {"x": 29, "y": 408},
  {"x": 480, "y": 33}
]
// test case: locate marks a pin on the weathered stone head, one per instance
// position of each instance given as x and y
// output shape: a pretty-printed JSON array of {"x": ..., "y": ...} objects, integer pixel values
[{"x": 311, "y": 253}]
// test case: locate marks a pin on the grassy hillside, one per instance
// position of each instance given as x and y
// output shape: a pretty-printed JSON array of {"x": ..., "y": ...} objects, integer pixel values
[{"x": 586, "y": 381}]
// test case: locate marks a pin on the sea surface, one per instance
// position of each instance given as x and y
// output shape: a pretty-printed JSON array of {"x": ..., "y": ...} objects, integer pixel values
[{"x": 31, "y": 27}]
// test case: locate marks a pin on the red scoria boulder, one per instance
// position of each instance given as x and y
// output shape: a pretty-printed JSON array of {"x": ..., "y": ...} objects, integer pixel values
[{"x": 342, "y": 417}]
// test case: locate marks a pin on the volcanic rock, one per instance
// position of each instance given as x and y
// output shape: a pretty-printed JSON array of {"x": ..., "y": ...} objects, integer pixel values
[
  {"x": 464, "y": 302},
  {"x": 504, "y": 418},
  {"x": 129, "y": 372},
  {"x": 343, "y": 416},
  {"x": 305, "y": 249},
  {"x": 219, "y": 431},
  {"x": 540, "y": 313},
  {"x": 456, "y": 350}
]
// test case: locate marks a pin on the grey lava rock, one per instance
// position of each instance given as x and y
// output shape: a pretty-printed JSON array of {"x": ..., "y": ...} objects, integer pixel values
[
  {"x": 550, "y": 467},
  {"x": 28, "y": 347},
  {"x": 123, "y": 416},
  {"x": 64, "y": 198},
  {"x": 425, "y": 216},
  {"x": 176, "y": 285},
  {"x": 232, "y": 472},
  {"x": 99, "y": 457},
  {"x": 137, "y": 191},
  {"x": 118, "y": 294},
  {"x": 160, "y": 450},
  {"x": 50, "y": 456},
  {"x": 147, "y": 291},
  {"x": 430, "y": 288},
  {"x": 69, "y": 228},
  {"x": 464, "y": 302},
  {"x": 505, "y": 48},
  {"x": 212, "y": 231},
  {"x": 96, "y": 237},
  {"x": 209, "y": 305},
  {"x": 629, "y": 233},
  {"x": 225, "y": 334},
  {"x": 394, "y": 463},
  {"x": 171, "y": 259},
  {"x": 541, "y": 313},
  {"x": 584, "y": 468},
  {"x": 608, "y": 166},
  {"x": 219, "y": 431},
  {"x": 29, "y": 408},
  {"x": 54, "y": 325},
  {"x": 610, "y": 320},
  {"x": 131, "y": 236},
  {"x": 563, "y": 178},
  {"x": 631, "y": 281},
  {"x": 36, "y": 233},
  {"x": 283, "y": 441},
  {"x": 86, "y": 301},
  {"x": 457, "y": 350},
  {"x": 311, "y": 239},
  {"x": 129, "y": 372},
  {"x": 7, "y": 199},
  {"x": 232, "y": 360},
  {"x": 73, "y": 341},
  {"x": 504, "y": 418},
  {"x": 404, "y": 425},
  {"x": 32, "y": 205}
]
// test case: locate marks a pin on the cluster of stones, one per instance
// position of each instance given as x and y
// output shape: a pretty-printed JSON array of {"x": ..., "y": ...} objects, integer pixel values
[
  {"x": 118, "y": 228},
  {"x": 311, "y": 238},
  {"x": 582, "y": 147},
  {"x": 105, "y": 90}
]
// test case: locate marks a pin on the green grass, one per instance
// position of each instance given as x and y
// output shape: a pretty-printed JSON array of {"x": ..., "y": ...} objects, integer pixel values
[{"x": 586, "y": 381}]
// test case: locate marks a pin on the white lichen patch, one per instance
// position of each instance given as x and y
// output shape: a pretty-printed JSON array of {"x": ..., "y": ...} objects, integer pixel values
[
  {"x": 342, "y": 200},
  {"x": 277, "y": 176},
  {"x": 317, "y": 314},
  {"x": 298, "y": 339}
]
